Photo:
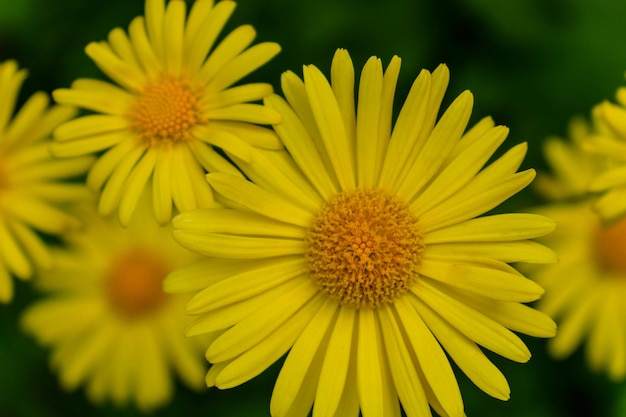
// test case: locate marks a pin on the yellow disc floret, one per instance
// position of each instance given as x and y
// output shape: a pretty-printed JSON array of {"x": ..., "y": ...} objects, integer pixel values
[
  {"x": 134, "y": 283},
  {"x": 610, "y": 247},
  {"x": 364, "y": 248},
  {"x": 166, "y": 111}
]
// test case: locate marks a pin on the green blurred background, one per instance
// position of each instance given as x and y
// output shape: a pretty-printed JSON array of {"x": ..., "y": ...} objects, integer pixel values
[{"x": 531, "y": 64}]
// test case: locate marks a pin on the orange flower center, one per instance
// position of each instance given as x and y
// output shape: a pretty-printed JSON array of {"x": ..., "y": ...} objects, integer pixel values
[
  {"x": 611, "y": 247},
  {"x": 364, "y": 248},
  {"x": 166, "y": 111},
  {"x": 134, "y": 283}
]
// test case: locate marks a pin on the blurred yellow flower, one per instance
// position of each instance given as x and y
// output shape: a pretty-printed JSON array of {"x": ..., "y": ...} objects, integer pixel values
[
  {"x": 174, "y": 102},
  {"x": 33, "y": 186},
  {"x": 358, "y": 251},
  {"x": 106, "y": 318},
  {"x": 586, "y": 289}
]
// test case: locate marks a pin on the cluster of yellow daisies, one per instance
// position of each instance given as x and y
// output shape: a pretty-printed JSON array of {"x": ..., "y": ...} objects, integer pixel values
[{"x": 172, "y": 214}]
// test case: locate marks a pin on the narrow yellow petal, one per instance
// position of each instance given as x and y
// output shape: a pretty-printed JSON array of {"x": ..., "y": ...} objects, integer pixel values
[
  {"x": 612, "y": 177},
  {"x": 308, "y": 349},
  {"x": 162, "y": 187},
  {"x": 104, "y": 166},
  {"x": 88, "y": 126},
  {"x": 390, "y": 79},
  {"x": 121, "y": 45},
  {"x": 225, "y": 140},
  {"x": 238, "y": 94},
  {"x": 334, "y": 372},
  {"x": 237, "y": 223},
  {"x": 574, "y": 326},
  {"x": 13, "y": 254},
  {"x": 368, "y": 159},
  {"x": 41, "y": 215},
  {"x": 87, "y": 145},
  {"x": 145, "y": 50},
  {"x": 302, "y": 147},
  {"x": 99, "y": 96},
  {"x": 180, "y": 176},
  {"x": 368, "y": 363},
  {"x": 152, "y": 378},
  {"x": 515, "y": 316},
  {"x": 183, "y": 353},
  {"x": 237, "y": 246},
  {"x": 432, "y": 360},
  {"x": 232, "y": 45},
  {"x": 459, "y": 171},
  {"x": 331, "y": 126},
  {"x": 342, "y": 83},
  {"x": 225, "y": 317},
  {"x": 402, "y": 366},
  {"x": 495, "y": 228},
  {"x": 475, "y": 199},
  {"x": 33, "y": 244},
  {"x": 516, "y": 251},
  {"x": 256, "y": 199},
  {"x": 467, "y": 356},
  {"x": 245, "y": 112},
  {"x": 122, "y": 73},
  {"x": 438, "y": 146},
  {"x": 174, "y": 26},
  {"x": 256, "y": 327},
  {"x": 257, "y": 136},
  {"x": 203, "y": 27},
  {"x": 113, "y": 189},
  {"x": 484, "y": 281},
  {"x": 194, "y": 277},
  {"x": 483, "y": 330},
  {"x": 245, "y": 63},
  {"x": 276, "y": 172},
  {"x": 155, "y": 12},
  {"x": 267, "y": 274},
  {"x": 135, "y": 185},
  {"x": 254, "y": 361}
]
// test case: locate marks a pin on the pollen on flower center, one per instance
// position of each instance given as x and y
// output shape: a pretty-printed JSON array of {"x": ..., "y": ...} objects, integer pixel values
[
  {"x": 364, "y": 248},
  {"x": 134, "y": 283},
  {"x": 166, "y": 111},
  {"x": 610, "y": 247}
]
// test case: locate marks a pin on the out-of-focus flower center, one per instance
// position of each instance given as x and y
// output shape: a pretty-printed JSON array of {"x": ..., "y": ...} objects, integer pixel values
[
  {"x": 364, "y": 248},
  {"x": 166, "y": 111},
  {"x": 611, "y": 247},
  {"x": 134, "y": 283}
]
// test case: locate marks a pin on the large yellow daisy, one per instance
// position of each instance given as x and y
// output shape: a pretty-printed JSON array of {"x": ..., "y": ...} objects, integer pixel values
[
  {"x": 34, "y": 187},
  {"x": 358, "y": 252},
  {"x": 586, "y": 289},
  {"x": 106, "y": 319},
  {"x": 174, "y": 100}
]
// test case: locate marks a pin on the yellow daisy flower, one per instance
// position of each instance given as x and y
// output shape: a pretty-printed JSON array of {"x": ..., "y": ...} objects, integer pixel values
[
  {"x": 358, "y": 251},
  {"x": 106, "y": 319},
  {"x": 586, "y": 289},
  {"x": 174, "y": 101},
  {"x": 33, "y": 185},
  {"x": 609, "y": 141}
]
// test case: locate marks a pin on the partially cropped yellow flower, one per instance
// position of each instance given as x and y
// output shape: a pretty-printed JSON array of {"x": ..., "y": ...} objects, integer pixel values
[
  {"x": 33, "y": 186},
  {"x": 586, "y": 289},
  {"x": 174, "y": 100},
  {"x": 106, "y": 319},
  {"x": 609, "y": 141},
  {"x": 359, "y": 253}
]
